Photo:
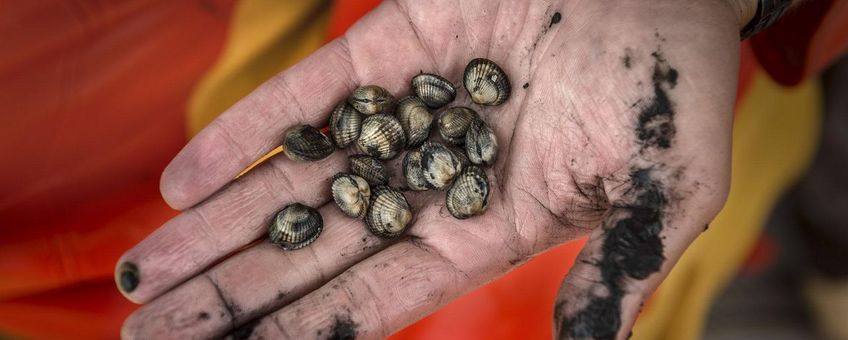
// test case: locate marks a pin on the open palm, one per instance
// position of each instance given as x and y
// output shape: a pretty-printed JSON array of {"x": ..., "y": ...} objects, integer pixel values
[{"x": 616, "y": 129}]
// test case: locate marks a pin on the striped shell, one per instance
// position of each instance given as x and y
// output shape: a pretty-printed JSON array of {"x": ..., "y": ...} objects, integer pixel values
[
  {"x": 306, "y": 143},
  {"x": 486, "y": 82},
  {"x": 481, "y": 145},
  {"x": 381, "y": 136},
  {"x": 369, "y": 168},
  {"x": 434, "y": 90},
  {"x": 439, "y": 165},
  {"x": 454, "y": 122},
  {"x": 389, "y": 214},
  {"x": 469, "y": 194},
  {"x": 413, "y": 172},
  {"x": 415, "y": 119},
  {"x": 372, "y": 99},
  {"x": 351, "y": 194},
  {"x": 345, "y": 123},
  {"x": 295, "y": 227}
]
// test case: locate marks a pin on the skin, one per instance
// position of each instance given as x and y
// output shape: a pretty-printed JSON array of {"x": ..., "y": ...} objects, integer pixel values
[{"x": 568, "y": 147}]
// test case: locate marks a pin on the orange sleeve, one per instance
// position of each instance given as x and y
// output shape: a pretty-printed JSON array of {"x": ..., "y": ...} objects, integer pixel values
[{"x": 804, "y": 42}]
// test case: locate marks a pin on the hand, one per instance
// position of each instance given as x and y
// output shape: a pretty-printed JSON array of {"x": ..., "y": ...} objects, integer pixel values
[{"x": 618, "y": 128}]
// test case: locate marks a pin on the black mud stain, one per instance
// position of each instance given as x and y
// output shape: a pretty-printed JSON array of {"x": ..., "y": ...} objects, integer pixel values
[
  {"x": 655, "y": 127},
  {"x": 627, "y": 59},
  {"x": 706, "y": 226},
  {"x": 203, "y": 316},
  {"x": 526, "y": 85},
  {"x": 128, "y": 277},
  {"x": 343, "y": 329},
  {"x": 243, "y": 332},
  {"x": 555, "y": 19},
  {"x": 632, "y": 248}
]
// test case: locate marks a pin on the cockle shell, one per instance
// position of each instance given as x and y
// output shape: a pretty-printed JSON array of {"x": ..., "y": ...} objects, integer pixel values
[
  {"x": 481, "y": 145},
  {"x": 469, "y": 194},
  {"x": 454, "y": 122},
  {"x": 486, "y": 82},
  {"x": 372, "y": 99},
  {"x": 415, "y": 119},
  {"x": 306, "y": 143},
  {"x": 439, "y": 165},
  {"x": 295, "y": 227},
  {"x": 381, "y": 136},
  {"x": 389, "y": 215},
  {"x": 434, "y": 90},
  {"x": 369, "y": 168},
  {"x": 345, "y": 124},
  {"x": 351, "y": 193}
]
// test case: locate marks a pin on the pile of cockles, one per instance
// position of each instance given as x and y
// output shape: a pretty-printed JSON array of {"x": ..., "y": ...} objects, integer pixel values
[{"x": 381, "y": 128}]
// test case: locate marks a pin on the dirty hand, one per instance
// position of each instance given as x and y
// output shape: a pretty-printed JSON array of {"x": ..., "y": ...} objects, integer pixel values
[{"x": 618, "y": 128}]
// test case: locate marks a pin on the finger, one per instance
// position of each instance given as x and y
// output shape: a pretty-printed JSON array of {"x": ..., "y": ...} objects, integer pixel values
[
  {"x": 642, "y": 237},
  {"x": 304, "y": 94},
  {"x": 253, "y": 282},
  {"x": 381, "y": 49},
  {"x": 234, "y": 217},
  {"x": 401, "y": 284}
]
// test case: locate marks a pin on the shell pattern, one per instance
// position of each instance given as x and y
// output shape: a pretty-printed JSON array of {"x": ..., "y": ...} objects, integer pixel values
[
  {"x": 306, "y": 143},
  {"x": 345, "y": 123},
  {"x": 454, "y": 122},
  {"x": 369, "y": 168},
  {"x": 481, "y": 145},
  {"x": 434, "y": 90},
  {"x": 413, "y": 172},
  {"x": 381, "y": 136},
  {"x": 415, "y": 119},
  {"x": 486, "y": 82},
  {"x": 351, "y": 193},
  {"x": 372, "y": 99},
  {"x": 439, "y": 165},
  {"x": 295, "y": 227},
  {"x": 469, "y": 194},
  {"x": 389, "y": 214}
]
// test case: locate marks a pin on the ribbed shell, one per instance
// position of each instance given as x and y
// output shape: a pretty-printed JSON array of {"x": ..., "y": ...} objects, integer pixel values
[
  {"x": 389, "y": 215},
  {"x": 415, "y": 119},
  {"x": 454, "y": 122},
  {"x": 486, "y": 82},
  {"x": 295, "y": 227},
  {"x": 439, "y": 165},
  {"x": 434, "y": 90},
  {"x": 469, "y": 194},
  {"x": 481, "y": 145},
  {"x": 306, "y": 143},
  {"x": 372, "y": 99},
  {"x": 352, "y": 194},
  {"x": 413, "y": 172},
  {"x": 345, "y": 123},
  {"x": 381, "y": 136},
  {"x": 369, "y": 168}
]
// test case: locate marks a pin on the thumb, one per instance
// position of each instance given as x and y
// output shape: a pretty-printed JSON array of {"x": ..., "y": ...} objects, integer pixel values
[{"x": 643, "y": 234}]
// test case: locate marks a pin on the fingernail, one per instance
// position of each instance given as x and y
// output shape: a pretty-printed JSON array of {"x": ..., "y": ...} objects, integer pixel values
[{"x": 128, "y": 277}]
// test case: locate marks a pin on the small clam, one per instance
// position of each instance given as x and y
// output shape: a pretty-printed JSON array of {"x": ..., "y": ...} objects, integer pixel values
[
  {"x": 439, "y": 165},
  {"x": 345, "y": 123},
  {"x": 306, "y": 143},
  {"x": 454, "y": 122},
  {"x": 372, "y": 99},
  {"x": 415, "y": 119},
  {"x": 481, "y": 146},
  {"x": 413, "y": 172},
  {"x": 433, "y": 90},
  {"x": 351, "y": 194},
  {"x": 389, "y": 214},
  {"x": 381, "y": 136},
  {"x": 469, "y": 194},
  {"x": 295, "y": 227},
  {"x": 369, "y": 168},
  {"x": 486, "y": 82}
]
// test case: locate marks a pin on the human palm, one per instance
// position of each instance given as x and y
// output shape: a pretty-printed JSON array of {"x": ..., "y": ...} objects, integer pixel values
[{"x": 616, "y": 129}]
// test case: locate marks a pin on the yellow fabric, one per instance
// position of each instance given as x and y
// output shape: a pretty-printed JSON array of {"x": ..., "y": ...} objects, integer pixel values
[
  {"x": 266, "y": 37},
  {"x": 774, "y": 138}
]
